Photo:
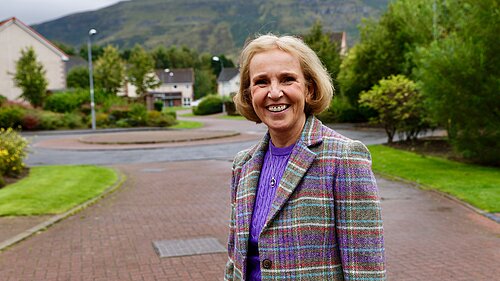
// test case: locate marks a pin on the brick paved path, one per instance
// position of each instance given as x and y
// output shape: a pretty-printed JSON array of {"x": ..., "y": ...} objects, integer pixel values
[{"x": 428, "y": 237}]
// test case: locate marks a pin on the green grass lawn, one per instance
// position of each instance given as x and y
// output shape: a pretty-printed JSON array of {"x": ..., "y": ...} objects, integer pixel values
[
  {"x": 230, "y": 117},
  {"x": 477, "y": 185},
  {"x": 184, "y": 124},
  {"x": 54, "y": 189},
  {"x": 174, "y": 108}
]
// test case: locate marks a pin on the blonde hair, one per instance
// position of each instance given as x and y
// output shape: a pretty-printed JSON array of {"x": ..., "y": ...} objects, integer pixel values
[{"x": 315, "y": 74}]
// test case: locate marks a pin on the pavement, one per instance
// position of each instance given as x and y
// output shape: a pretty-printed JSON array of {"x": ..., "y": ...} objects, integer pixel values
[{"x": 428, "y": 236}]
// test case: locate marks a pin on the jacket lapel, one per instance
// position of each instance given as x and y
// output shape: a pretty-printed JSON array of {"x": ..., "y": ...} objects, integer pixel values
[
  {"x": 300, "y": 160},
  {"x": 249, "y": 180}
]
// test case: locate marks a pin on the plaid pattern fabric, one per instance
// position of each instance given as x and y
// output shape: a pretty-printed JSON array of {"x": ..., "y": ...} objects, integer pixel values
[{"x": 324, "y": 222}]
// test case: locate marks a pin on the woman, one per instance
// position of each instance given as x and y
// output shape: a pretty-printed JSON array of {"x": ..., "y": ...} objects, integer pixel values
[{"x": 304, "y": 199}]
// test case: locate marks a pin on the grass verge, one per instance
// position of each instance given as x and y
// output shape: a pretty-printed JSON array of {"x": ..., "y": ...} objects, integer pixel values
[
  {"x": 54, "y": 189},
  {"x": 230, "y": 117},
  {"x": 184, "y": 124},
  {"x": 476, "y": 185}
]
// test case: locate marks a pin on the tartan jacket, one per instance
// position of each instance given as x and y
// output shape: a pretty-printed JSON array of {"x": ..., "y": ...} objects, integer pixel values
[{"x": 324, "y": 222}]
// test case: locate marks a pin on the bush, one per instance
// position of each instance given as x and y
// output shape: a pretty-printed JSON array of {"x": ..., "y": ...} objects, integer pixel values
[
  {"x": 399, "y": 106},
  {"x": 11, "y": 117},
  {"x": 2, "y": 100},
  {"x": 30, "y": 121},
  {"x": 72, "y": 121},
  {"x": 101, "y": 119},
  {"x": 158, "y": 105},
  {"x": 157, "y": 119},
  {"x": 138, "y": 115},
  {"x": 12, "y": 152},
  {"x": 50, "y": 120},
  {"x": 66, "y": 101},
  {"x": 209, "y": 105}
]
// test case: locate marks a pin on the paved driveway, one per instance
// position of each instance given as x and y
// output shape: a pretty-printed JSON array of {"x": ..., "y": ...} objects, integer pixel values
[{"x": 179, "y": 197}]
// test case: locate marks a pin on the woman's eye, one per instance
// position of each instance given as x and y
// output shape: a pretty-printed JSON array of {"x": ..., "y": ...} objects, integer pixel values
[
  {"x": 288, "y": 80},
  {"x": 260, "y": 82}
]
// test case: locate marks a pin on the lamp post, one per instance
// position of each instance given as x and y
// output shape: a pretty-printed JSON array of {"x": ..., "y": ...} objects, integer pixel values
[
  {"x": 216, "y": 58},
  {"x": 91, "y": 77}
]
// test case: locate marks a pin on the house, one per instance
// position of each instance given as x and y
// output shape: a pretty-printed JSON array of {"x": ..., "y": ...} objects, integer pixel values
[
  {"x": 16, "y": 36},
  {"x": 176, "y": 88},
  {"x": 228, "y": 81}
]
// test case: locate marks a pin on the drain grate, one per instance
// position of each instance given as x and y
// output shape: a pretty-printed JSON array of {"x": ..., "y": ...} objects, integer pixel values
[{"x": 187, "y": 247}]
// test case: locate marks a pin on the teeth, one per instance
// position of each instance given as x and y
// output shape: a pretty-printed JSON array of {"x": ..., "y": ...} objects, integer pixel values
[{"x": 277, "y": 108}]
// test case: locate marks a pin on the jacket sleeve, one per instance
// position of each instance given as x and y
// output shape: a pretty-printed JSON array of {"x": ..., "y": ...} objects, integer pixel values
[
  {"x": 229, "y": 271},
  {"x": 358, "y": 215}
]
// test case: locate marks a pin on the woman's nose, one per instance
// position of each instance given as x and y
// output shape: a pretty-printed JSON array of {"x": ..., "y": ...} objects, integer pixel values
[{"x": 274, "y": 92}]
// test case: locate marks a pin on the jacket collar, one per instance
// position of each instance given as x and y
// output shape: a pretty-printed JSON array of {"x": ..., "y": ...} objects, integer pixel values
[{"x": 300, "y": 160}]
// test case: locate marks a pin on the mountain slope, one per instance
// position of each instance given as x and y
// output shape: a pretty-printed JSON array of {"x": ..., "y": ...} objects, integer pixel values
[{"x": 216, "y": 26}]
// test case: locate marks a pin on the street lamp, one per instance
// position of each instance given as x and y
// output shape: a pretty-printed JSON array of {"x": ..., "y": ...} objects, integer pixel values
[
  {"x": 91, "y": 77},
  {"x": 216, "y": 58}
]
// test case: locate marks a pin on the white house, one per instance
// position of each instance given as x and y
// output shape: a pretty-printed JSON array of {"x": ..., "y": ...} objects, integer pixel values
[
  {"x": 176, "y": 88},
  {"x": 16, "y": 36},
  {"x": 228, "y": 81}
]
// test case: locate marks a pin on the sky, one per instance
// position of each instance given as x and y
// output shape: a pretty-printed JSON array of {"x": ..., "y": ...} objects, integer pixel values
[{"x": 38, "y": 11}]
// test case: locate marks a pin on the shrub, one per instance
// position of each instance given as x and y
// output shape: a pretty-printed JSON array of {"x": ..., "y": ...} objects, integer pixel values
[
  {"x": 399, "y": 106},
  {"x": 138, "y": 115},
  {"x": 12, "y": 152},
  {"x": 11, "y": 117},
  {"x": 72, "y": 121},
  {"x": 66, "y": 101},
  {"x": 30, "y": 121},
  {"x": 101, "y": 119},
  {"x": 50, "y": 120},
  {"x": 2, "y": 100},
  {"x": 209, "y": 105},
  {"x": 157, "y": 119},
  {"x": 119, "y": 112},
  {"x": 158, "y": 105}
]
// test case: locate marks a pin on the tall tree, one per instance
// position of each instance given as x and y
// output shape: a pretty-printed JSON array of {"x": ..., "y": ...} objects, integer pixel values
[
  {"x": 30, "y": 77},
  {"x": 327, "y": 50},
  {"x": 141, "y": 70},
  {"x": 386, "y": 46},
  {"x": 460, "y": 78},
  {"x": 110, "y": 71}
]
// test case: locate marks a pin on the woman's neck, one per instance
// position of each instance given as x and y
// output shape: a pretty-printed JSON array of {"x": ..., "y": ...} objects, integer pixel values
[{"x": 285, "y": 138}]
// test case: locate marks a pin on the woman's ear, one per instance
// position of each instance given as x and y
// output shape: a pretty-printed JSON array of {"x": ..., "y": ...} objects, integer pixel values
[{"x": 310, "y": 93}]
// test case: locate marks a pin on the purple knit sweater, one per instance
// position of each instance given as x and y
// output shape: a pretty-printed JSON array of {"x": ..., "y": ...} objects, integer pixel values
[{"x": 274, "y": 164}]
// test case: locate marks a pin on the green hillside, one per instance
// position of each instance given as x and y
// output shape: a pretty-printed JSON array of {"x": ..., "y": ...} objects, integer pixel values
[{"x": 216, "y": 26}]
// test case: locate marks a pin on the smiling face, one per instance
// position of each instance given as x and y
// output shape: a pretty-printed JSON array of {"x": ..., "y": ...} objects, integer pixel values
[{"x": 278, "y": 90}]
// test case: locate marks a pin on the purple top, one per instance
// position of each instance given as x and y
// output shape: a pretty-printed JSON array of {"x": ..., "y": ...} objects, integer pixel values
[{"x": 274, "y": 165}]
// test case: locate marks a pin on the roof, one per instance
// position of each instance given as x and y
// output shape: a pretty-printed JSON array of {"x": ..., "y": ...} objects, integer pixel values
[
  {"x": 4, "y": 24},
  {"x": 75, "y": 61},
  {"x": 227, "y": 74},
  {"x": 180, "y": 75}
]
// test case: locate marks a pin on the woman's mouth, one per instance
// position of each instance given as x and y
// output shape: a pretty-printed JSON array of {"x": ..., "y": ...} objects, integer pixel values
[{"x": 277, "y": 108}]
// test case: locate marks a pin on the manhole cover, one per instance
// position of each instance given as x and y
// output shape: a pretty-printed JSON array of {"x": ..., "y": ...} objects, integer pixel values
[{"x": 187, "y": 247}]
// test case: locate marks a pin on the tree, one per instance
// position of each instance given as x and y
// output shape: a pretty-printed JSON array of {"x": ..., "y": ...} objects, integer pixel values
[
  {"x": 386, "y": 47},
  {"x": 78, "y": 77},
  {"x": 327, "y": 51},
  {"x": 204, "y": 83},
  {"x": 399, "y": 106},
  {"x": 110, "y": 71},
  {"x": 141, "y": 71},
  {"x": 460, "y": 79},
  {"x": 30, "y": 77}
]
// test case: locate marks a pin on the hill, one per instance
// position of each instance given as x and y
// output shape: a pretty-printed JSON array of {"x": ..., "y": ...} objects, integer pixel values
[{"x": 215, "y": 26}]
